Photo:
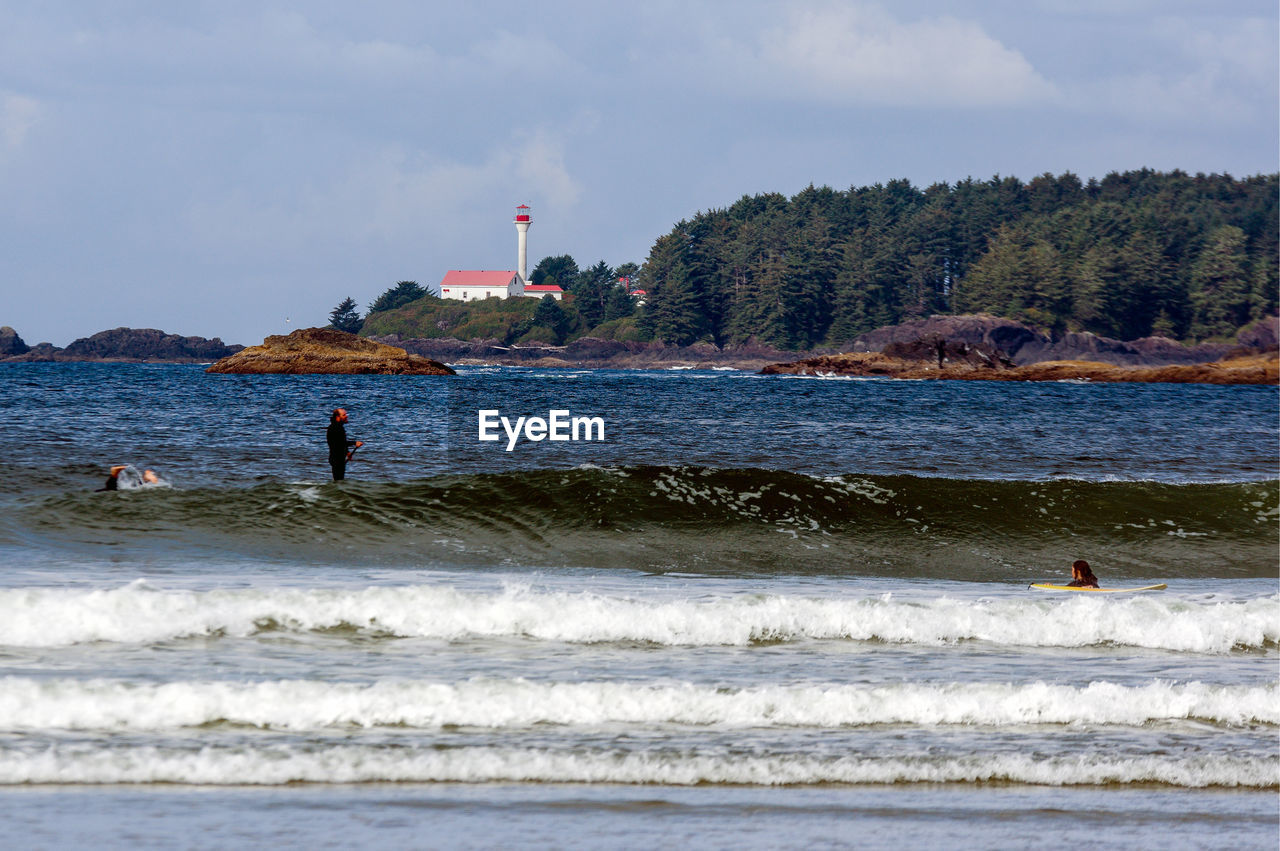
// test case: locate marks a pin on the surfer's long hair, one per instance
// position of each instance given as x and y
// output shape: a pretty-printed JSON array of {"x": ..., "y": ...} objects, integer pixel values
[{"x": 1083, "y": 571}]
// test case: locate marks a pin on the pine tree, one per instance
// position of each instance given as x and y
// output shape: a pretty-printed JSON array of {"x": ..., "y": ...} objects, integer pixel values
[
  {"x": 398, "y": 296},
  {"x": 1220, "y": 285},
  {"x": 551, "y": 315},
  {"x": 345, "y": 317}
]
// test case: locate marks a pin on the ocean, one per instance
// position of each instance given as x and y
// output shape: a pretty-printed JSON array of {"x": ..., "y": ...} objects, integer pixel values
[{"x": 768, "y": 612}]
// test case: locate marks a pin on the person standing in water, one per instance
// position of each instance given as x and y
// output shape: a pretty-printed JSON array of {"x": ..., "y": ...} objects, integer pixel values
[
  {"x": 340, "y": 446},
  {"x": 1082, "y": 576}
]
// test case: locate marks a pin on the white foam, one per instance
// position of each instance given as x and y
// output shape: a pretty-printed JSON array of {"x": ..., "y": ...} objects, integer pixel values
[
  {"x": 306, "y": 763},
  {"x": 114, "y": 705},
  {"x": 140, "y": 614}
]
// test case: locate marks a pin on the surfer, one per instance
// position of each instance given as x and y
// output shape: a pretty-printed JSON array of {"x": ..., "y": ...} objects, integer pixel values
[
  {"x": 341, "y": 448},
  {"x": 1082, "y": 576}
]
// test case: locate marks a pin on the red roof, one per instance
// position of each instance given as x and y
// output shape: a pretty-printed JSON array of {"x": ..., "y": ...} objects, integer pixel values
[
  {"x": 542, "y": 288},
  {"x": 458, "y": 278}
]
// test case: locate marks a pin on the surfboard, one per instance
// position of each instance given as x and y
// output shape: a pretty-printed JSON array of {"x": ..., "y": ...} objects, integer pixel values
[{"x": 1045, "y": 586}]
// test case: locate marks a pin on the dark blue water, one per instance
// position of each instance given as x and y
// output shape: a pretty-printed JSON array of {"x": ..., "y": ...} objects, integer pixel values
[{"x": 68, "y": 422}]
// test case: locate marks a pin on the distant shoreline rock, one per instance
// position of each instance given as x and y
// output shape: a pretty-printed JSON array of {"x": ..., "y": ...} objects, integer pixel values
[
  {"x": 934, "y": 358},
  {"x": 592, "y": 353},
  {"x": 1026, "y": 345},
  {"x": 11, "y": 345},
  {"x": 325, "y": 351},
  {"x": 119, "y": 345},
  {"x": 1020, "y": 343}
]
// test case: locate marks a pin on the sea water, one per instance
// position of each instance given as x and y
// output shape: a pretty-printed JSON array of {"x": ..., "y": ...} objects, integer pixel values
[{"x": 762, "y": 612}]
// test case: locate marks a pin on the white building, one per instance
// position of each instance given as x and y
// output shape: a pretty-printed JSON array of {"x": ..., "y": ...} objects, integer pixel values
[
  {"x": 472, "y": 285},
  {"x": 466, "y": 285}
]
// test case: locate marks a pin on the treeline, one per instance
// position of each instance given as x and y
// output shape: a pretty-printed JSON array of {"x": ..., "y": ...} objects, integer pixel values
[{"x": 1131, "y": 255}]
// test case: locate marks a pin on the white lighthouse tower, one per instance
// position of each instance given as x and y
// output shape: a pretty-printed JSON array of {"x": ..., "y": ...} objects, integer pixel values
[{"x": 523, "y": 220}]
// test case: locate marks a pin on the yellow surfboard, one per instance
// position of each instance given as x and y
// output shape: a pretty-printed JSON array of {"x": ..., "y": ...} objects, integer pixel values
[{"x": 1045, "y": 586}]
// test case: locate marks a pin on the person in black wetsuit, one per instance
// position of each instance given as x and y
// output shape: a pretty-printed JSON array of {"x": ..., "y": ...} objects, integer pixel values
[{"x": 340, "y": 446}]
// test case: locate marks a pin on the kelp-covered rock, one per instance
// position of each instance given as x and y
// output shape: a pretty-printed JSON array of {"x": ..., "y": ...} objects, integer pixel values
[{"x": 326, "y": 351}]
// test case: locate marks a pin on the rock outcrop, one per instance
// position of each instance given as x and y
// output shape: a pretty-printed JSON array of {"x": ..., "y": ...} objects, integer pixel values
[
  {"x": 1026, "y": 345},
  {"x": 128, "y": 345},
  {"x": 592, "y": 353},
  {"x": 11, "y": 344},
  {"x": 931, "y": 359},
  {"x": 147, "y": 345},
  {"x": 326, "y": 351}
]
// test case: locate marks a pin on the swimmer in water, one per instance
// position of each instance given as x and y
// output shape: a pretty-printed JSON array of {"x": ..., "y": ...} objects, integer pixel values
[
  {"x": 112, "y": 480},
  {"x": 148, "y": 477},
  {"x": 1082, "y": 576}
]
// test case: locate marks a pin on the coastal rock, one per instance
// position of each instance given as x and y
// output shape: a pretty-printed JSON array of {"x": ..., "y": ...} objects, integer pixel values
[
  {"x": 147, "y": 345},
  {"x": 593, "y": 353},
  {"x": 11, "y": 344},
  {"x": 1263, "y": 334},
  {"x": 1005, "y": 335},
  {"x": 1026, "y": 345},
  {"x": 39, "y": 353},
  {"x": 131, "y": 345},
  {"x": 1252, "y": 368},
  {"x": 326, "y": 351}
]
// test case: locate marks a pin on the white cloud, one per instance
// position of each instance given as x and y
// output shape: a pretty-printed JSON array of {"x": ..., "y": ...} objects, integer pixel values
[{"x": 860, "y": 54}]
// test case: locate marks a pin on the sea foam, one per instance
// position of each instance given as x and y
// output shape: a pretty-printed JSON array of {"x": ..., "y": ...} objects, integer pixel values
[
  {"x": 304, "y": 763},
  {"x": 140, "y": 614},
  {"x": 65, "y": 704}
]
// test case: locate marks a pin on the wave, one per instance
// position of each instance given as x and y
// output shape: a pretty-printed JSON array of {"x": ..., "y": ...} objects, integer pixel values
[
  {"x": 60, "y": 704},
  {"x": 141, "y": 614},
  {"x": 343, "y": 764},
  {"x": 695, "y": 519}
]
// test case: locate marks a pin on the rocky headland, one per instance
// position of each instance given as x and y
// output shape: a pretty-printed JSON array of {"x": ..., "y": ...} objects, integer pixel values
[
  {"x": 593, "y": 353},
  {"x": 934, "y": 357},
  {"x": 119, "y": 345},
  {"x": 1016, "y": 342},
  {"x": 325, "y": 351}
]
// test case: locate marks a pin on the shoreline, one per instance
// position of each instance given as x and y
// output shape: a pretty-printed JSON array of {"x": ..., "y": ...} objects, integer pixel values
[{"x": 1259, "y": 369}]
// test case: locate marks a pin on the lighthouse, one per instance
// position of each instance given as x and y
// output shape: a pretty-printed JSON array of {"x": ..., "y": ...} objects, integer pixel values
[{"x": 523, "y": 220}]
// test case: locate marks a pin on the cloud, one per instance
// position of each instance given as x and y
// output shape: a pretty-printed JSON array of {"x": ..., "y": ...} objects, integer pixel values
[
  {"x": 18, "y": 114},
  {"x": 1223, "y": 71},
  {"x": 390, "y": 195},
  {"x": 860, "y": 54}
]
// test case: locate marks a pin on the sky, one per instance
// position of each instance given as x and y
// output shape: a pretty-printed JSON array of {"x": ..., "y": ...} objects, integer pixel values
[{"x": 235, "y": 169}]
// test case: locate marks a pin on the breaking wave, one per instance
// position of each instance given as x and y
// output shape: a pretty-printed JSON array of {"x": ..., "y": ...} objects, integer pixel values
[
  {"x": 275, "y": 765},
  {"x": 294, "y": 705},
  {"x": 141, "y": 614}
]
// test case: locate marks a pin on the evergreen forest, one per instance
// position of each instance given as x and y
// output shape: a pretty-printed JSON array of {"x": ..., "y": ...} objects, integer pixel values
[
  {"x": 1135, "y": 254},
  {"x": 1131, "y": 255}
]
